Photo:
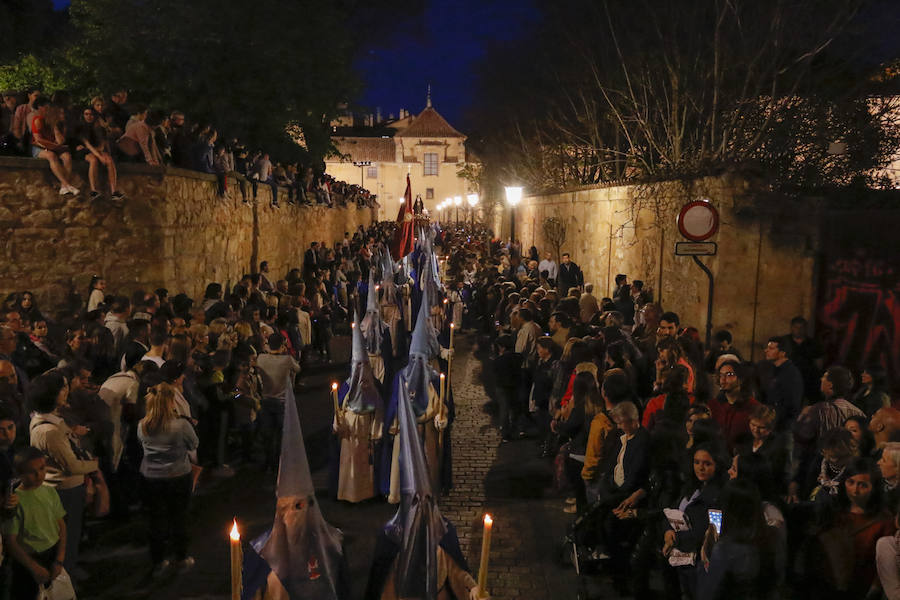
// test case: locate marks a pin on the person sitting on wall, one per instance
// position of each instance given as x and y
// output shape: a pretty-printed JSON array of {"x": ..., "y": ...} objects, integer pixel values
[{"x": 48, "y": 143}]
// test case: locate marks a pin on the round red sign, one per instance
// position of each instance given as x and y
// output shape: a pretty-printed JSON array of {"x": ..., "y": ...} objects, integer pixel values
[{"x": 698, "y": 220}]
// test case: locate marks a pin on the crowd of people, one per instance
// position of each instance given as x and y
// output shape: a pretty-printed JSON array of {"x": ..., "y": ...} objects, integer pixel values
[
  {"x": 109, "y": 131},
  {"x": 114, "y": 402},
  {"x": 689, "y": 471}
]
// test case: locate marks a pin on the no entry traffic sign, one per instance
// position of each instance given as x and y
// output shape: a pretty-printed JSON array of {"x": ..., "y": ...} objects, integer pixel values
[{"x": 698, "y": 220}]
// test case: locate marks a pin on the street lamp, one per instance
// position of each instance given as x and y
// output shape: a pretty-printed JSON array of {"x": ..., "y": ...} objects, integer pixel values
[
  {"x": 472, "y": 199},
  {"x": 513, "y": 197},
  {"x": 457, "y": 200},
  {"x": 362, "y": 164}
]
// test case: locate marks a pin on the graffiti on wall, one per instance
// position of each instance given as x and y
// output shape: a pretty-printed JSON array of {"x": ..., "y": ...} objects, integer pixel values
[{"x": 859, "y": 314}]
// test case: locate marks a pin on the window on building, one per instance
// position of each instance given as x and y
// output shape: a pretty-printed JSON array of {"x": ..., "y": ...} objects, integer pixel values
[
  {"x": 429, "y": 193},
  {"x": 431, "y": 163},
  {"x": 372, "y": 172}
]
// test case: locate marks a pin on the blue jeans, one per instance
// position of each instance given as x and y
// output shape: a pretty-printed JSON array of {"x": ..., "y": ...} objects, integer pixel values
[{"x": 72, "y": 501}]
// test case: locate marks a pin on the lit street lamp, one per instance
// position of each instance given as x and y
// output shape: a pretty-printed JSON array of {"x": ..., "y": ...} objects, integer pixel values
[
  {"x": 472, "y": 199},
  {"x": 457, "y": 201},
  {"x": 513, "y": 197}
]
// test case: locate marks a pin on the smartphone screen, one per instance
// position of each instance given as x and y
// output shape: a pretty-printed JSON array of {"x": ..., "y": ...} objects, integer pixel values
[{"x": 715, "y": 517}]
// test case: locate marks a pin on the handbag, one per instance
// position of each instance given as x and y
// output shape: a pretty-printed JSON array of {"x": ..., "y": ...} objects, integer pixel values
[{"x": 59, "y": 589}]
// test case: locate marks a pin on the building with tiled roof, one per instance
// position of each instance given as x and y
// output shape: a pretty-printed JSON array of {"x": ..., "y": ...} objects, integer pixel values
[{"x": 378, "y": 154}]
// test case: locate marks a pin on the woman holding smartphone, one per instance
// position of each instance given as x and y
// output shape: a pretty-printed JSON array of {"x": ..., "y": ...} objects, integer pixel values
[{"x": 699, "y": 495}]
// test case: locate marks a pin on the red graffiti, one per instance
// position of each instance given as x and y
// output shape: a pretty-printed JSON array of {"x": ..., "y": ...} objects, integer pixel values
[{"x": 859, "y": 315}]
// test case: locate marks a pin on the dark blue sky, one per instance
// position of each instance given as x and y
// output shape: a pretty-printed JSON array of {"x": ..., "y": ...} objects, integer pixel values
[{"x": 439, "y": 48}]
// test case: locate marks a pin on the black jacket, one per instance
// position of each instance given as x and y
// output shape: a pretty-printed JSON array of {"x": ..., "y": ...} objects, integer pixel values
[
  {"x": 570, "y": 275},
  {"x": 636, "y": 460}
]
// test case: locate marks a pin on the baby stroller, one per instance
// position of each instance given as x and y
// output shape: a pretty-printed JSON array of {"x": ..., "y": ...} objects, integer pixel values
[{"x": 581, "y": 546}]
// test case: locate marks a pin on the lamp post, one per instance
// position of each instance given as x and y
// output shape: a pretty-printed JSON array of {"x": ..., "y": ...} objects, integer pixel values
[
  {"x": 362, "y": 164},
  {"x": 472, "y": 199},
  {"x": 457, "y": 200},
  {"x": 513, "y": 197}
]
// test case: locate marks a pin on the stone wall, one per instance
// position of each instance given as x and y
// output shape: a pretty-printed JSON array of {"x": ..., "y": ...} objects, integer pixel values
[
  {"x": 172, "y": 231},
  {"x": 764, "y": 272}
]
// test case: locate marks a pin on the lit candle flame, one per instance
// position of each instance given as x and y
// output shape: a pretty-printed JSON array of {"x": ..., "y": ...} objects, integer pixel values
[
  {"x": 235, "y": 534},
  {"x": 442, "y": 376},
  {"x": 488, "y": 520},
  {"x": 334, "y": 386},
  {"x": 451, "y": 325},
  {"x": 352, "y": 325},
  {"x": 445, "y": 301}
]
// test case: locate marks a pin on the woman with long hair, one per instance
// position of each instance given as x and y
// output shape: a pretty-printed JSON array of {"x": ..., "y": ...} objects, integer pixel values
[
  {"x": 167, "y": 440},
  {"x": 699, "y": 494},
  {"x": 872, "y": 393},
  {"x": 96, "y": 295},
  {"x": 845, "y": 564}
]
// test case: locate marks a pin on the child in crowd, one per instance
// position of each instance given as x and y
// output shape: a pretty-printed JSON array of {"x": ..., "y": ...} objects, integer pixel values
[{"x": 35, "y": 536}]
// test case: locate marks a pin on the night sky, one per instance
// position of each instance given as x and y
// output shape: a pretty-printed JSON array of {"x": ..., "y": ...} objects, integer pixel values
[{"x": 440, "y": 49}]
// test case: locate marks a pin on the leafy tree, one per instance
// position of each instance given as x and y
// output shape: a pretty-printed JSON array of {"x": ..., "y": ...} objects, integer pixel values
[
  {"x": 252, "y": 69},
  {"x": 29, "y": 26}
]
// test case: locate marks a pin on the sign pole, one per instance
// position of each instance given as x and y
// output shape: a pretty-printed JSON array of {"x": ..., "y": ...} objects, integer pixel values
[{"x": 709, "y": 300}]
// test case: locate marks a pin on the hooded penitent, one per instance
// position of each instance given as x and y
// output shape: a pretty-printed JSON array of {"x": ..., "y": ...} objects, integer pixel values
[
  {"x": 417, "y": 528},
  {"x": 362, "y": 394},
  {"x": 302, "y": 550},
  {"x": 372, "y": 325},
  {"x": 423, "y": 347}
]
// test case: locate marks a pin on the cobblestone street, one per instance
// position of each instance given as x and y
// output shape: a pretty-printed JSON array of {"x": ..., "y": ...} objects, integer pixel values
[{"x": 509, "y": 481}]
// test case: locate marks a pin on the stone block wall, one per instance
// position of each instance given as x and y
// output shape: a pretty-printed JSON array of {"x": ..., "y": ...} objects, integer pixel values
[
  {"x": 764, "y": 272},
  {"x": 172, "y": 231}
]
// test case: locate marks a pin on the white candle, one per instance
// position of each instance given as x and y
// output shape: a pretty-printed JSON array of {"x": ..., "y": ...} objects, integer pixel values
[
  {"x": 237, "y": 556},
  {"x": 334, "y": 397},
  {"x": 485, "y": 552}
]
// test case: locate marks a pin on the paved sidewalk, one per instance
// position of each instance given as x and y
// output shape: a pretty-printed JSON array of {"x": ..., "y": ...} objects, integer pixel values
[{"x": 509, "y": 482}]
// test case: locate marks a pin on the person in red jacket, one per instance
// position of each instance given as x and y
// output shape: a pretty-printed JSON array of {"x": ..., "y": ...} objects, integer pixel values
[{"x": 734, "y": 405}]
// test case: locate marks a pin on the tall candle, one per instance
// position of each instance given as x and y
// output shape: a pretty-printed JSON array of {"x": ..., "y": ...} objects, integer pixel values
[
  {"x": 334, "y": 398},
  {"x": 485, "y": 552},
  {"x": 409, "y": 311},
  {"x": 452, "y": 327},
  {"x": 237, "y": 557},
  {"x": 441, "y": 396}
]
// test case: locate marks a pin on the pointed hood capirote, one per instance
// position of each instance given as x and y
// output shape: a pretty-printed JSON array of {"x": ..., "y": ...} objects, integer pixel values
[
  {"x": 372, "y": 325},
  {"x": 303, "y": 551},
  {"x": 362, "y": 393},
  {"x": 418, "y": 526}
]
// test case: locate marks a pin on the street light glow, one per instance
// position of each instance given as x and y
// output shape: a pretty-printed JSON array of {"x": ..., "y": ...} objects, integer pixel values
[
  {"x": 457, "y": 200},
  {"x": 472, "y": 199},
  {"x": 513, "y": 195}
]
